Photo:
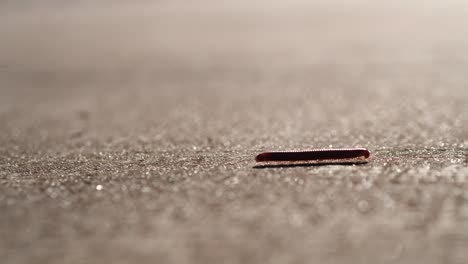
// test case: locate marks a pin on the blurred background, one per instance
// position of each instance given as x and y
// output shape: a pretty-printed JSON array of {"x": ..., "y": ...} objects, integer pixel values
[
  {"x": 295, "y": 65},
  {"x": 163, "y": 105},
  {"x": 115, "y": 34}
]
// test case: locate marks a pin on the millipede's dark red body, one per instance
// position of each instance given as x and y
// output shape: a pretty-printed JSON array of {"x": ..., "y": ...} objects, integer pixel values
[{"x": 317, "y": 155}]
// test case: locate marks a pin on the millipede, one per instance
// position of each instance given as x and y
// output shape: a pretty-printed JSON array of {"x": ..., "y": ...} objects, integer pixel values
[{"x": 317, "y": 156}]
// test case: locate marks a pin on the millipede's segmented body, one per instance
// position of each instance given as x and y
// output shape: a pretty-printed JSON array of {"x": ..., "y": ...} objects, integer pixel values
[{"x": 351, "y": 155}]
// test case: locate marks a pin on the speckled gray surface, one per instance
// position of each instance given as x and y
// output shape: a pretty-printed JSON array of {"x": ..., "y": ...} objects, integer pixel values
[{"x": 128, "y": 132}]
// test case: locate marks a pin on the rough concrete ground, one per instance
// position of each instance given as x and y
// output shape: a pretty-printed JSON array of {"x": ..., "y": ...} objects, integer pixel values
[{"x": 128, "y": 132}]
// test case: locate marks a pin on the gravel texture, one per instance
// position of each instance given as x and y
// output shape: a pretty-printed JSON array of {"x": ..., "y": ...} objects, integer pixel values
[{"x": 128, "y": 131}]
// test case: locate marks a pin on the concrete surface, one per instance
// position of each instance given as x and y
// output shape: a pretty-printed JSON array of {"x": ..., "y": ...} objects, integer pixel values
[{"x": 128, "y": 131}]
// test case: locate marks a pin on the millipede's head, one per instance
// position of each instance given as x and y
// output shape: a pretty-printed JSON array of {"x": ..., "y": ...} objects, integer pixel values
[{"x": 366, "y": 153}]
